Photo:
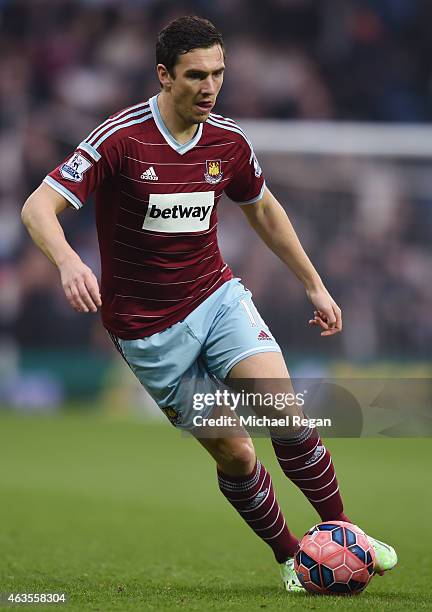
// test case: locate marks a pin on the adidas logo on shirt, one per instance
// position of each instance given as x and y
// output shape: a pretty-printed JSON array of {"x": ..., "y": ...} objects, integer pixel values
[
  {"x": 263, "y": 335},
  {"x": 150, "y": 175}
]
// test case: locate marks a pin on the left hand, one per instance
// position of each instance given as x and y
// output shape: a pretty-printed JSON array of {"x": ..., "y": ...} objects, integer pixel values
[{"x": 328, "y": 315}]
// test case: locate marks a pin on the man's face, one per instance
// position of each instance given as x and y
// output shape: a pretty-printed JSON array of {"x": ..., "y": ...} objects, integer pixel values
[{"x": 198, "y": 77}]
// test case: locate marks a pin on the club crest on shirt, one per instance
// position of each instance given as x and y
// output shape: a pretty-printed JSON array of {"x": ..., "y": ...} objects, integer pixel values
[
  {"x": 74, "y": 168},
  {"x": 213, "y": 173}
]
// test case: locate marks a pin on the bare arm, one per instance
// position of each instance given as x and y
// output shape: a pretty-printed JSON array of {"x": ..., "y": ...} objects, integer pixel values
[
  {"x": 271, "y": 223},
  {"x": 39, "y": 215}
]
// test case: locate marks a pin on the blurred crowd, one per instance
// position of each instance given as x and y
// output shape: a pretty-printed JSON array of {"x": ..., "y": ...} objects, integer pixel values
[
  {"x": 367, "y": 226},
  {"x": 65, "y": 65},
  {"x": 71, "y": 61}
]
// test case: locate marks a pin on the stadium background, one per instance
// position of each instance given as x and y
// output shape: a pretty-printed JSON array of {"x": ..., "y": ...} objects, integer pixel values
[
  {"x": 104, "y": 505},
  {"x": 98, "y": 500},
  {"x": 64, "y": 66}
]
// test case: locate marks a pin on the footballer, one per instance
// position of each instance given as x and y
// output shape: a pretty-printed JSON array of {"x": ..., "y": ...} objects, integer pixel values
[{"x": 171, "y": 305}]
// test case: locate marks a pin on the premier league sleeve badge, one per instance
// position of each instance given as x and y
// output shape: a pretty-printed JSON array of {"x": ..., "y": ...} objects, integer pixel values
[{"x": 75, "y": 167}]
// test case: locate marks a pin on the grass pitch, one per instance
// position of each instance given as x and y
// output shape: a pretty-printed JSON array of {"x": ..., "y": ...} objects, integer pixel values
[{"x": 127, "y": 516}]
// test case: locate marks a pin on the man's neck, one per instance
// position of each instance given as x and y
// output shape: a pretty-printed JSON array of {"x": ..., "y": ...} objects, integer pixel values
[{"x": 177, "y": 127}]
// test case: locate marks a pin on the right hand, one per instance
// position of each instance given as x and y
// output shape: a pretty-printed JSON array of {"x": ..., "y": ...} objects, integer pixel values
[{"x": 80, "y": 285}]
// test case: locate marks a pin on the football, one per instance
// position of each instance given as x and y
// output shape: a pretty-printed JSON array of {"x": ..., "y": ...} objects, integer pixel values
[{"x": 335, "y": 558}]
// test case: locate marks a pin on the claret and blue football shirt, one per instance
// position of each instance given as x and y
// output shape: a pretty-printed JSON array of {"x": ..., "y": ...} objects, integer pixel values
[{"x": 156, "y": 211}]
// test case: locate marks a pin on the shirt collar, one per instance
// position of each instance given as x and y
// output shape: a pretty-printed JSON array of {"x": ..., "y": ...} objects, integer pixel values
[{"x": 173, "y": 143}]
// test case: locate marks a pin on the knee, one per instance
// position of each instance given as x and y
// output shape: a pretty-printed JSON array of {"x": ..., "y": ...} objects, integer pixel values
[{"x": 236, "y": 457}]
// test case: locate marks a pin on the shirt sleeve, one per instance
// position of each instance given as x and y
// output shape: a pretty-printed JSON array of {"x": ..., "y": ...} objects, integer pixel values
[
  {"x": 247, "y": 184},
  {"x": 81, "y": 173}
]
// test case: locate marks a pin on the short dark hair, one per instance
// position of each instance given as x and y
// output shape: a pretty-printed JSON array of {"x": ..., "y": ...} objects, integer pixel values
[{"x": 181, "y": 36}]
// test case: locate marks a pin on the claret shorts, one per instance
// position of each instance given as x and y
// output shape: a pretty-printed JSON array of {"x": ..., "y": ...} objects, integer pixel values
[{"x": 194, "y": 355}]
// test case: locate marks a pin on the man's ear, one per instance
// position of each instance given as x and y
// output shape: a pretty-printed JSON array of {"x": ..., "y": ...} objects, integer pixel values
[{"x": 165, "y": 78}]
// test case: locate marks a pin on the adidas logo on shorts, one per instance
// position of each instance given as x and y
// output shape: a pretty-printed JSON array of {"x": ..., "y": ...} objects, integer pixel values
[
  {"x": 263, "y": 335},
  {"x": 150, "y": 175}
]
